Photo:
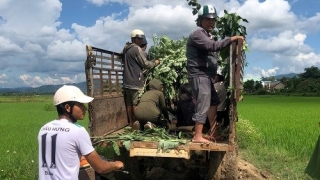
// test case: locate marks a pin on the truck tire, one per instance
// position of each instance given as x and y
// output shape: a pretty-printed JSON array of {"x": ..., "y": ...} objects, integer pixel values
[{"x": 131, "y": 164}]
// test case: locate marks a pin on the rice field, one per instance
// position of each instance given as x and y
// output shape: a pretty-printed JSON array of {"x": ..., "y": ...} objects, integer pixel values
[
  {"x": 275, "y": 133},
  {"x": 278, "y": 133}
]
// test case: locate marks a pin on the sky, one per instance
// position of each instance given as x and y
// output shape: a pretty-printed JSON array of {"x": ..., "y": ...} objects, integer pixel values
[{"x": 42, "y": 42}]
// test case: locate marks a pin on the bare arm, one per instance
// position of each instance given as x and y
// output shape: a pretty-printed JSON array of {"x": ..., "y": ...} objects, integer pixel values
[
  {"x": 143, "y": 62},
  {"x": 101, "y": 166}
]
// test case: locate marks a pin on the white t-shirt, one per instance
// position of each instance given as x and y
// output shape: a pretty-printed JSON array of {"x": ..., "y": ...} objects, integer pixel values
[{"x": 61, "y": 144}]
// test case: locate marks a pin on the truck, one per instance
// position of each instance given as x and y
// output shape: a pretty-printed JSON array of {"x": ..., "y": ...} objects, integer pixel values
[{"x": 108, "y": 118}]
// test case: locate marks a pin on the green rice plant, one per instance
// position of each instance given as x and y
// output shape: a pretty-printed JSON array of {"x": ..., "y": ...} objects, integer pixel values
[
  {"x": 49, "y": 107},
  {"x": 287, "y": 129}
]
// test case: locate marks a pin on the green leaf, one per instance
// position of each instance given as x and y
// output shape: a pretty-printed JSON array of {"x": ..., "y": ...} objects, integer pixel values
[{"x": 116, "y": 148}]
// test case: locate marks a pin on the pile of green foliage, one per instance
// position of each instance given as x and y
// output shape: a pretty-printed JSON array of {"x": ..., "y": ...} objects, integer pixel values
[
  {"x": 165, "y": 140},
  {"x": 172, "y": 69}
]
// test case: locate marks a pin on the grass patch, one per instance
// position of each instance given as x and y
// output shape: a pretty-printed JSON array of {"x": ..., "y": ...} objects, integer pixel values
[{"x": 278, "y": 133}]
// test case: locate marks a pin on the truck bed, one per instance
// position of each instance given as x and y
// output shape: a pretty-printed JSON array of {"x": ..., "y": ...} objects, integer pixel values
[{"x": 155, "y": 149}]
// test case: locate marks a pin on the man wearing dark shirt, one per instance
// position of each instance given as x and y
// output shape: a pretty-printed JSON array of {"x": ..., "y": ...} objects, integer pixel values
[
  {"x": 202, "y": 67},
  {"x": 134, "y": 62}
]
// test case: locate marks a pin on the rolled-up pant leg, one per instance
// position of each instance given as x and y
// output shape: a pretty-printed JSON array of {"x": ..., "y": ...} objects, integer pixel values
[{"x": 201, "y": 87}]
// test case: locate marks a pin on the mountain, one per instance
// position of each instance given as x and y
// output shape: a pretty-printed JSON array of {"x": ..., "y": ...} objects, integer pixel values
[{"x": 45, "y": 89}]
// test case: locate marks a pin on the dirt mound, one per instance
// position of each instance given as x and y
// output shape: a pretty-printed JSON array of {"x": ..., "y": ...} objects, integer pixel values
[
  {"x": 245, "y": 171},
  {"x": 250, "y": 172}
]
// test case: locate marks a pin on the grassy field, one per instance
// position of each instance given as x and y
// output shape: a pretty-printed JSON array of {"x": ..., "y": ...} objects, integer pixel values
[
  {"x": 275, "y": 133},
  {"x": 278, "y": 133}
]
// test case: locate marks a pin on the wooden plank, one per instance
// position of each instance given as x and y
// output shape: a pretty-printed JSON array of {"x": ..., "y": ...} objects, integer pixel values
[
  {"x": 210, "y": 147},
  {"x": 106, "y": 69},
  {"x": 105, "y": 51},
  {"x": 141, "y": 144},
  {"x": 109, "y": 63},
  {"x": 173, "y": 153},
  {"x": 238, "y": 73}
]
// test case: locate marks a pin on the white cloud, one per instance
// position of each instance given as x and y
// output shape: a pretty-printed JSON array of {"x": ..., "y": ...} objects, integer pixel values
[
  {"x": 255, "y": 77},
  {"x": 311, "y": 24},
  {"x": 269, "y": 15},
  {"x": 174, "y": 21},
  {"x": 8, "y": 47},
  {"x": 265, "y": 73},
  {"x": 3, "y": 78},
  {"x": 66, "y": 51},
  {"x": 28, "y": 17},
  {"x": 140, "y": 3},
  {"x": 284, "y": 42},
  {"x": 298, "y": 63},
  {"x": 33, "y": 43},
  {"x": 34, "y": 81}
]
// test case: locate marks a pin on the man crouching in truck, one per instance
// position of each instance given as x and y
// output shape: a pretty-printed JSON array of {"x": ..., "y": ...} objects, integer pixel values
[{"x": 62, "y": 142}]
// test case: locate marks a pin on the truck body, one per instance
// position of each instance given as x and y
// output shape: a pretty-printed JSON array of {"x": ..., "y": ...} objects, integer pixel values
[{"x": 108, "y": 117}]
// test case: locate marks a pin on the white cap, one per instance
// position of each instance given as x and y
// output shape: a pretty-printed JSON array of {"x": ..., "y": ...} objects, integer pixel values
[
  {"x": 70, "y": 93},
  {"x": 137, "y": 33}
]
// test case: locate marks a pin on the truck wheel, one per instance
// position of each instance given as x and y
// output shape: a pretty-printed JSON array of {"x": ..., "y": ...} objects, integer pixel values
[{"x": 131, "y": 164}]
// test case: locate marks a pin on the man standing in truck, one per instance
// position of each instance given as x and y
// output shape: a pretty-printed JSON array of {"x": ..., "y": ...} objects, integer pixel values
[
  {"x": 134, "y": 62},
  {"x": 62, "y": 142},
  {"x": 202, "y": 67}
]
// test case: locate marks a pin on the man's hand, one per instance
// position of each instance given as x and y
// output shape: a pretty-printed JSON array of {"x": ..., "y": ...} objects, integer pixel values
[
  {"x": 157, "y": 62},
  {"x": 118, "y": 165},
  {"x": 235, "y": 38}
]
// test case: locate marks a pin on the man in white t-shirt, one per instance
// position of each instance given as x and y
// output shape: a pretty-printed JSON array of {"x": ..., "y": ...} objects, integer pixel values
[{"x": 62, "y": 142}]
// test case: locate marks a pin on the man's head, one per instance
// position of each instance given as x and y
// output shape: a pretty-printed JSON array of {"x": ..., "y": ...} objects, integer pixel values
[
  {"x": 156, "y": 84},
  {"x": 207, "y": 17},
  {"x": 144, "y": 44},
  {"x": 137, "y": 36},
  {"x": 69, "y": 101}
]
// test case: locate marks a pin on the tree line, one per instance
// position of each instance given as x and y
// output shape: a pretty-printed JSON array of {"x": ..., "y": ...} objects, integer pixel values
[{"x": 307, "y": 82}]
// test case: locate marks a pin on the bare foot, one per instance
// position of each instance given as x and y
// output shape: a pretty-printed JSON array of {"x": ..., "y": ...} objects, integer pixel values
[{"x": 200, "y": 140}]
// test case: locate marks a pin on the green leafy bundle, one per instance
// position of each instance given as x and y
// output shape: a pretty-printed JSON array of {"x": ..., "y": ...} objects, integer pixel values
[{"x": 172, "y": 68}]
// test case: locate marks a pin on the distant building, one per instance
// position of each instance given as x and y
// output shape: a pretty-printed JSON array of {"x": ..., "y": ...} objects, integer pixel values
[{"x": 272, "y": 85}]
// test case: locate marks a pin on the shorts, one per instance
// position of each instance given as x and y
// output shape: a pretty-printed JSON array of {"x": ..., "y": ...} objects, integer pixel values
[
  {"x": 131, "y": 96},
  {"x": 206, "y": 96}
]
